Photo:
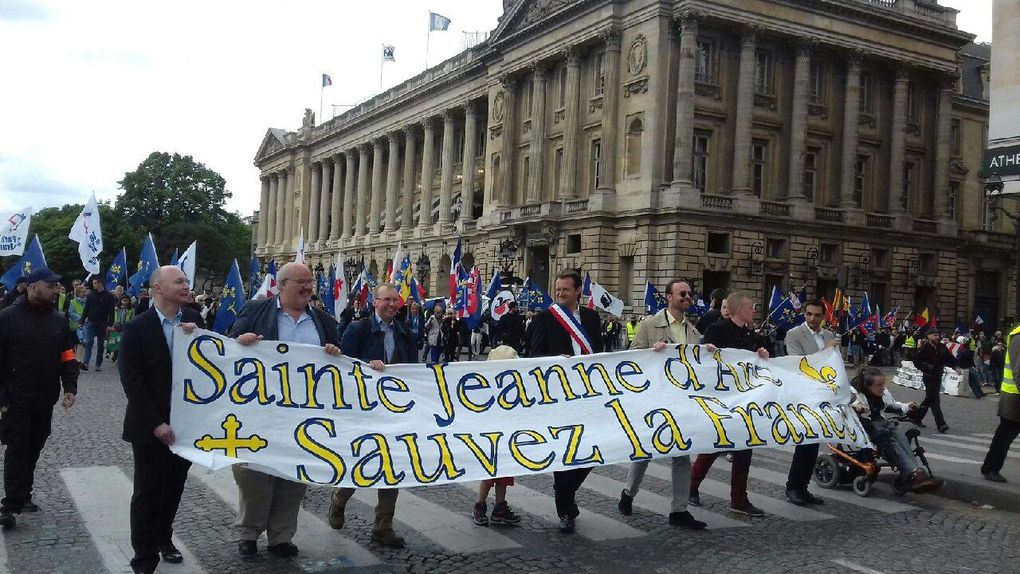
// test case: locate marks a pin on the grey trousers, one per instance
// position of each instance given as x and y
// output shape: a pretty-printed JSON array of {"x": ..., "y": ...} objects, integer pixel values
[
  {"x": 268, "y": 504},
  {"x": 384, "y": 509},
  {"x": 681, "y": 478}
]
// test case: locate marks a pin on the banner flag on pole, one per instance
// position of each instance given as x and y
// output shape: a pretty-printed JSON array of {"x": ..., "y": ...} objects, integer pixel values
[
  {"x": 268, "y": 287},
  {"x": 438, "y": 22},
  {"x": 32, "y": 258},
  {"x": 599, "y": 298},
  {"x": 254, "y": 271},
  {"x": 175, "y": 257},
  {"x": 326, "y": 80},
  {"x": 387, "y": 54},
  {"x": 147, "y": 263},
  {"x": 117, "y": 272},
  {"x": 231, "y": 300},
  {"x": 14, "y": 232},
  {"x": 533, "y": 297},
  {"x": 454, "y": 270},
  {"x": 87, "y": 231},
  {"x": 187, "y": 262},
  {"x": 654, "y": 301}
]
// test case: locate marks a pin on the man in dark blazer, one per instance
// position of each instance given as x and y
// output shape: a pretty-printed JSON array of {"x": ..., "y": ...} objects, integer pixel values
[
  {"x": 379, "y": 340},
  {"x": 550, "y": 335},
  {"x": 145, "y": 373},
  {"x": 268, "y": 503}
]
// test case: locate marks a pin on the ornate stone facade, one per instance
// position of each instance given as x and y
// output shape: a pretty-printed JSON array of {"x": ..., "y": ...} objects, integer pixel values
[{"x": 739, "y": 144}]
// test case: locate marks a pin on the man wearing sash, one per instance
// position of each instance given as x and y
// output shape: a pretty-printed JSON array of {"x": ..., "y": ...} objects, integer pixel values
[{"x": 566, "y": 329}]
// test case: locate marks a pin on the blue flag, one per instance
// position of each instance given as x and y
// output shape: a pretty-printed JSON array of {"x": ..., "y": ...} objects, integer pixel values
[
  {"x": 494, "y": 284},
  {"x": 533, "y": 297},
  {"x": 147, "y": 263},
  {"x": 254, "y": 282},
  {"x": 175, "y": 257},
  {"x": 327, "y": 293},
  {"x": 438, "y": 22},
  {"x": 231, "y": 300},
  {"x": 32, "y": 258},
  {"x": 654, "y": 301},
  {"x": 118, "y": 270},
  {"x": 698, "y": 308}
]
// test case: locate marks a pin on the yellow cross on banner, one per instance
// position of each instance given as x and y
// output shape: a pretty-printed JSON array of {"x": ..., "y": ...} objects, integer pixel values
[{"x": 231, "y": 443}]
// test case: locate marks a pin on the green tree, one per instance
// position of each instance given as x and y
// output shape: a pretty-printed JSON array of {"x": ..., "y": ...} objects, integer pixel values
[{"x": 167, "y": 189}]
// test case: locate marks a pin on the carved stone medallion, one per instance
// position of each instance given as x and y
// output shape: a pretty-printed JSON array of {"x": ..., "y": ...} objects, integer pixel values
[
  {"x": 498, "y": 107},
  {"x": 637, "y": 57}
]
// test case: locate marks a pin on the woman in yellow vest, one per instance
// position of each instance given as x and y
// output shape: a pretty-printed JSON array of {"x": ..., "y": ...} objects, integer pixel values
[{"x": 1009, "y": 413}]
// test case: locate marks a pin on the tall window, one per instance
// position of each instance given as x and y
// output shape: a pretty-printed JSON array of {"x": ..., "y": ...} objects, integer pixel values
[
  {"x": 817, "y": 83},
  {"x": 704, "y": 62},
  {"x": 913, "y": 101},
  {"x": 763, "y": 81},
  {"x": 867, "y": 95},
  {"x": 908, "y": 184},
  {"x": 635, "y": 131},
  {"x": 955, "y": 133},
  {"x": 700, "y": 165},
  {"x": 598, "y": 80},
  {"x": 562, "y": 86},
  {"x": 954, "y": 195},
  {"x": 529, "y": 93},
  {"x": 558, "y": 175},
  {"x": 759, "y": 165},
  {"x": 811, "y": 174},
  {"x": 596, "y": 163},
  {"x": 860, "y": 179},
  {"x": 525, "y": 175}
]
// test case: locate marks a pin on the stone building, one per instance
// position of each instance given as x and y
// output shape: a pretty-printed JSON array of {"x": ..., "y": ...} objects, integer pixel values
[{"x": 738, "y": 143}]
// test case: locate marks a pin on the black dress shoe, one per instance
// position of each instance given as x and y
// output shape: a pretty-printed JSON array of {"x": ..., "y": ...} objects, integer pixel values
[
  {"x": 283, "y": 549},
  {"x": 567, "y": 524},
  {"x": 810, "y": 498},
  {"x": 171, "y": 554},
  {"x": 626, "y": 504},
  {"x": 247, "y": 548},
  {"x": 30, "y": 507},
  {"x": 796, "y": 497},
  {"x": 686, "y": 519}
]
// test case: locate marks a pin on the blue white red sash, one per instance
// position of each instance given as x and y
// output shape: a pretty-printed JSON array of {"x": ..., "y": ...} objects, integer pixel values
[{"x": 578, "y": 336}]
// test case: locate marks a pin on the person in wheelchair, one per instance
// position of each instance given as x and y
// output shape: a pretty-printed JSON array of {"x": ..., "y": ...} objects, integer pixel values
[{"x": 871, "y": 401}]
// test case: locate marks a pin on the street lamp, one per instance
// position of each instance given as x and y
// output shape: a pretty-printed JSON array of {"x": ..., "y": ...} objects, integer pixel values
[
  {"x": 506, "y": 252},
  {"x": 423, "y": 266},
  {"x": 350, "y": 265},
  {"x": 756, "y": 261}
]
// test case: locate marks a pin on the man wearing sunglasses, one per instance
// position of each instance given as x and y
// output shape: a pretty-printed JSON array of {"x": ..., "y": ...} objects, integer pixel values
[{"x": 667, "y": 327}]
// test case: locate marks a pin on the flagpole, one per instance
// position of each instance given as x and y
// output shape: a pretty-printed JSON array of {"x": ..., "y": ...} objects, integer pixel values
[
  {"x": 382, "y": 61},
  {"x": 322, "y": 90},
  {"x": 428, "y": 39}
]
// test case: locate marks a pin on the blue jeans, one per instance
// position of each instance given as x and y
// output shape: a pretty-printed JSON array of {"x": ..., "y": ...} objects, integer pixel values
[
  {"x": 94, "y": 332},
  {"x": 894, "y": 446}
]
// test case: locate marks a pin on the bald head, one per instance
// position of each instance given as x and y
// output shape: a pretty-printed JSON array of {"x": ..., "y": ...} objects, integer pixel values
[
  {"x": 169, "y": 287},
  {"x": 292, "y": 270}
]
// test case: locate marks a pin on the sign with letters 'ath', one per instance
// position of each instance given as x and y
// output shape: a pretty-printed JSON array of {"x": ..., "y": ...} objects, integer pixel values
[{"x": 294, "y": 411}]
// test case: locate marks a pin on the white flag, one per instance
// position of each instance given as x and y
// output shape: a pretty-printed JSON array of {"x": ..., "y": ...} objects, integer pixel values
[
  {"x": 187, "y": 262},
  {"x": 339, "y": 288},
  {"x": 89, "y": 235},
  {"x": 299, "y": 256},
  {"x": 598, "y": 297},
  {"x": 14, "y": 232},
  {"x": 398, "y": 259}
]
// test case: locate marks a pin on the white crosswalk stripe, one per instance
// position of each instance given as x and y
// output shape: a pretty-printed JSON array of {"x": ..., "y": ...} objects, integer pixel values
[
  {"x": 974, "y": 439},
  {"x": 320, "y": 546},
  {"x": 451, "y": 530},
  {"x": 652, "y": 502},
  {"x": 102, "y": 497},
  {"x": 947, "y": 458},
  {"x": 717, "y": 489},
  {"x": 983, "y": 435},
  {"x": 967, "y": 447},
  {"x": 589, "y": 525},
  {"x": 881, "y": 505}
]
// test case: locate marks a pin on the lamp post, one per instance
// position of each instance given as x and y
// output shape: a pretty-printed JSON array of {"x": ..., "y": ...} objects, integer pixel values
[
  {"x": 350, "y": 264},
  {"x": 506, "y": 252},
  {"x": 319, "y": 271},
  {"x": 423, "y": 266}
]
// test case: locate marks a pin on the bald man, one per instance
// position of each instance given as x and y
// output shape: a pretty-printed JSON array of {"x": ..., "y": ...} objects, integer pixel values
[{"x": 145, "y": 373}]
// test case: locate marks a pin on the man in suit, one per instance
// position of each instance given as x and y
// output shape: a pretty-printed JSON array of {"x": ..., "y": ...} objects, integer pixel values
[
  {"x": 379, "y": 340},
  {"x": 145, "y": 373},
  {"x": 568, "y": 329},
  {"x": 268, "y": 503},
  {"x": 807, "y": 338},
  {"x": 667, "y": 327}
]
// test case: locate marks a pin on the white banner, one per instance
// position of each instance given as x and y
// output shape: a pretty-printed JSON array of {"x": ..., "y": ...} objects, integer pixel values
[
  {"x": 88, "y": 233},
  {"x": 296, "y": 412},
  {"x": 14, "y": 232}
]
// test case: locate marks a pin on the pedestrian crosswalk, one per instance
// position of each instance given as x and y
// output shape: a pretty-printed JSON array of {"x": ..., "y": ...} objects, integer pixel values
[{"x": 432, "y": 518}]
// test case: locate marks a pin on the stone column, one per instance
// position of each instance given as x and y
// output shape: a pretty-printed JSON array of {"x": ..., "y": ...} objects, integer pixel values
[
  {"x": 392, "y": 182},
  {"x": 798, "y": 122},
  {"x": 568, "y": 183},
  {"x": 324, "y": 203},
  {"x": 610, "y": 112},
  {"x": 359, "y": 208},
  {"x": 271, "y": 210},
  {"x": 335, "y": 224},
  {"x": 281, "y": 206},
  {"x": 851, "y": 117},
  {"x": 407, "y": 218},
  {"x": 943, "y": 149},
  {"x": 467, "y": 184},
  {"x": 745, "y": 114},
  {"x": 349, "y": 179},
  {"x": 263, "y": 213},
  {"x": 446, "y": 177},
  {"x": 427, "y": 167},
  {"x": 506, "y": 192},
  {"x": 684, "y": 141},
  {"x": 895, "y": 203},
  {"x": 376, "y": 203},
  {"x": 534, "y": 191},
  {"x": 313, "y": 204},
  {"x": 288, "y": 215}
]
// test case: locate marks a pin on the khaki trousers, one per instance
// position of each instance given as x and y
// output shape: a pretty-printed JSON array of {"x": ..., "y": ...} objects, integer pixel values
[
  {"x": 268, "y": 504},
  {"x": 384, "y": 509}
]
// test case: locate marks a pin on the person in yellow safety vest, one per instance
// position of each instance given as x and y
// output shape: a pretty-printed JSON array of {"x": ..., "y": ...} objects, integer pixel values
[
  {"x": 909, "y": 347},
  {"x": 632, "y": 329},
  {"x": 1009, "y": 413},
  {"x": 972, "y": 341}
]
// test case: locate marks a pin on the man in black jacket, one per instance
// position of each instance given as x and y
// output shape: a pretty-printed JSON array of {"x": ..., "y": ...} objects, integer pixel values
[
  {"x": 932, "y": 359},
  {"x": 379, "y": 340},
  {"x": 36, "y": 357},
  {"x": 568, "y": 329},
  {"x": 98, "y": 320},
  {"x": 145, "y": 372},
  {"x": 714, "y": 314},
  {"x": 511, "y": 328},
  {"x": 732, "y": 333}
]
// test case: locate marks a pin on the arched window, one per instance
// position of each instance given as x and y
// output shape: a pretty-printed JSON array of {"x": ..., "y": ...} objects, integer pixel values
[{"x": 635, "y": 131}]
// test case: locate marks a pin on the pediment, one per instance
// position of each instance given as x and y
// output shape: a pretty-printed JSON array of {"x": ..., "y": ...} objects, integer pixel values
[
  {"x": 274, "y": 141},
  {"x": 525, "y": 13}
]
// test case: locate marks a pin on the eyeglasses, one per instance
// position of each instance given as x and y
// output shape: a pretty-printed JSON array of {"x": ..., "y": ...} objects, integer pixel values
[{"x": 684, "y": 294}]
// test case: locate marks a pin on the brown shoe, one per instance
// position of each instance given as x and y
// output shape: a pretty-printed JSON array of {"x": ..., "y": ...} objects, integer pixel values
[
  {"x": 336, "y": 512},
  {"x": 388, "y": 538}
]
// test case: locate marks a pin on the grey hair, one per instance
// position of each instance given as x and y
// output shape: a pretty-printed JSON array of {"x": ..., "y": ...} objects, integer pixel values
[
  {"x": 381, "y": 285},
  {"x": 736, "y": 298}
]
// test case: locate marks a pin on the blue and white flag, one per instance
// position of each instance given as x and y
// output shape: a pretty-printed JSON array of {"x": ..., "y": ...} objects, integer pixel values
[
  {"x": 14, "y": 232},
  {"x": 147, "y": 263},
  {"x": 438, "y": 22},
  {"x": 89, "y": 235},
  {"x": 32, "y": 258},
  {"x": 118, "y": 270},
  {"x": 387, "y": 54},
  {"x": 231, "y": 300},
  {"x": 533, "y": 297},
  {"x": 187, "y": 262},
  {"x": 654, "y": 301}
]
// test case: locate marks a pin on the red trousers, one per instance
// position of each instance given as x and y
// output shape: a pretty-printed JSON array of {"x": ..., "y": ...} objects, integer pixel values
[{"x": 738, "y": 473}]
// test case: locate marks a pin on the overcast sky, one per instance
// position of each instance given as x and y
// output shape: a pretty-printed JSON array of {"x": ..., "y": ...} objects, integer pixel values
[{"x": 91, "y": 88}]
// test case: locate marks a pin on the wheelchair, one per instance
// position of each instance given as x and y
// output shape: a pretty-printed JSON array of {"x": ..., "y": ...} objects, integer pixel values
[{"x": 859, "y": 468}]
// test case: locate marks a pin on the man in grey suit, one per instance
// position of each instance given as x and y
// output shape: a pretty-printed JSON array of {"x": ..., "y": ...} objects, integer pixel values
[{"x": 806, "y": 339}]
